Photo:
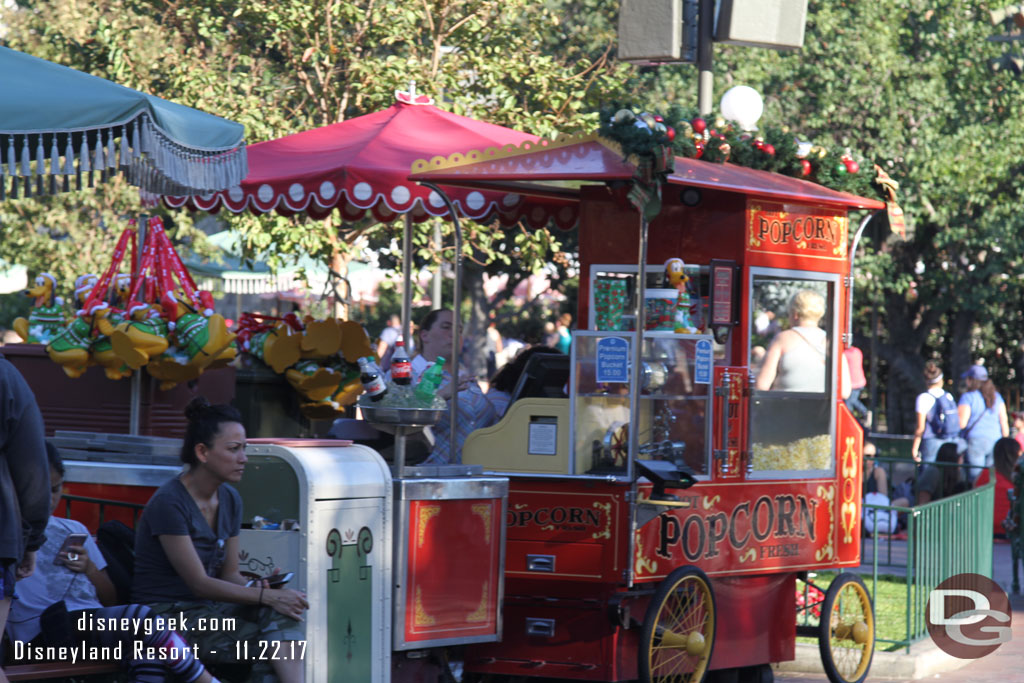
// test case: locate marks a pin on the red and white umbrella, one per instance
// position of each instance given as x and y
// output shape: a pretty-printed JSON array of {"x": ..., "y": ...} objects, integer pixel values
[{"x": 362, "y": 165}]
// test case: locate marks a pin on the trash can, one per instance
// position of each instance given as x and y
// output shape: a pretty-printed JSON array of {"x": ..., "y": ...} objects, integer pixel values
[{"x": 322, "y": 510}]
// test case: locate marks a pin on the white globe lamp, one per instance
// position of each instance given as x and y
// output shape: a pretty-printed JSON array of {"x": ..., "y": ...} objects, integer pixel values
[{"x": 743, "y": 105}]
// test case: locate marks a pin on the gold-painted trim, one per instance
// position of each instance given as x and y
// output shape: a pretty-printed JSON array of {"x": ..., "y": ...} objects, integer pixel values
[
  {"x": 749, "y": 556},
  {"x": 607, "y": 533},
  {"x": 643, "y": 564},
  {"x": 483, "y": 511},
  {"x": 828, "y": 551},
  {"x": 848, "y": 510},
  {"x": 710, "y": 501},
  {"x": 475, "y": 156},
  {"x": 420, "y": 616},
  {"x": 481, "y": 612},
  {"x": 426, "y": 513}
]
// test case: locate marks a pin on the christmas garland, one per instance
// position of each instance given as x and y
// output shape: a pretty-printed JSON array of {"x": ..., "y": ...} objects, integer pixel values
[{"x": 773, "y": 149}]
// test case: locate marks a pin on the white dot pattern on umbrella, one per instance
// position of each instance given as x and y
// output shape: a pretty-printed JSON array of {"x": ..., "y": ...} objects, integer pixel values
[
  {"x": 362, "y": 191},
  {"x": 327, "y": 189},
  {"x": 510, "y": 199},
  {"x": 475, "y": 201},
  {"x": 296, "y": 192},
  {"x": 236, "y": 194},
  {"x": 400, "y": 194},
  {"x": 265, "y": 193},
  {"x": 207, "y": 196},
  {"x": 435, "y": 199}
]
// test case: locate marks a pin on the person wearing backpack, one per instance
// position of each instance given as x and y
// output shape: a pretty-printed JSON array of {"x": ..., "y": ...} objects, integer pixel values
[
  {"x": 982, "y": 418},
  {"x": 938, "y": 421}
]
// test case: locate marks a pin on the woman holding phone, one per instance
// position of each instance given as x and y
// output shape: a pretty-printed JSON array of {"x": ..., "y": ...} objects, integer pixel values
[
  {"x": 70, "y": 592},
  {"x": 186, "y": 553}
]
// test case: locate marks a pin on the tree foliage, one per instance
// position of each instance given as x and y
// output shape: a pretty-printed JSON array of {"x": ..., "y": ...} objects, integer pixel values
[{"x": 285, "y": 66}]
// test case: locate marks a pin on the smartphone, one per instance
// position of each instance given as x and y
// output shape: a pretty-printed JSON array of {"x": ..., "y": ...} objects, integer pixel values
[
  {"x": 69, "y": 540},
  {"x": 273, "y": 580}
]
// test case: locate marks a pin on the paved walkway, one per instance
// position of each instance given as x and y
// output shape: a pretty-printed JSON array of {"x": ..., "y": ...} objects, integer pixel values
[{"x": 925, "y": 659}]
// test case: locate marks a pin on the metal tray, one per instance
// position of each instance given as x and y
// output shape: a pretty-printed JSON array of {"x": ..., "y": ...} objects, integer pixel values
[{"x": 406, "y": 417}]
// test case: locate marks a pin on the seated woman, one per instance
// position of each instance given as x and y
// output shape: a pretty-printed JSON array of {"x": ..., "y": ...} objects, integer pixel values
[
  {"x": 475, "y": 411},
  {"x": 186, "y": 552},
  {"x": 1005, "y": 454},
  {"x": 505, "y": 380},
  {"x": 936, "y": 482},
  {"x": 77, "y": 576},
  {"x": 876, "y": 480}
]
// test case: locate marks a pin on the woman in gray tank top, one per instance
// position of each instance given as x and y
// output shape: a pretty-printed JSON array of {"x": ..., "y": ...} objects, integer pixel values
[{"x": 796, "y": 358}]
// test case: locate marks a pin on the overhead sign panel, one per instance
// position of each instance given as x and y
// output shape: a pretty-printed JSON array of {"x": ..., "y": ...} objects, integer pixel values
[{"x": 761, "y": 23}]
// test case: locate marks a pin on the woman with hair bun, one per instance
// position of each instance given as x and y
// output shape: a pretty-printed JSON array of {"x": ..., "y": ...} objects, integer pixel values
[
  {"x": 186, "y": 550},
  {"x": 937, "y": 422}
]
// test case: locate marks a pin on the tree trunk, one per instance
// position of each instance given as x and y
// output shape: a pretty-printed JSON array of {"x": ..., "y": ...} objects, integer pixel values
[
  {"x": 475, "y": 333},
  {"x": 960, "y": 346}
]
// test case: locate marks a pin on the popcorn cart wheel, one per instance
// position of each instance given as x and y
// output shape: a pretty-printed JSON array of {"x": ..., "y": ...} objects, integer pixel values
[
  {"x": 615, "y": 445},
  {"x": 678, "y": 633},
  {"x": 846, "y": 632}
]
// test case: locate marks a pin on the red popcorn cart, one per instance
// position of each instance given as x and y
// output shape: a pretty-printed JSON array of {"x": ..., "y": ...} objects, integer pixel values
[{"x": 692, "y": 458}]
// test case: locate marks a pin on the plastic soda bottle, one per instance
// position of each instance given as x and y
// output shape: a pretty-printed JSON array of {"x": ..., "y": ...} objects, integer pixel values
[
  {"x": 430, "y": 381},
  {"x": 373, "y": 383},
  {"x": 401, "y": 368}
]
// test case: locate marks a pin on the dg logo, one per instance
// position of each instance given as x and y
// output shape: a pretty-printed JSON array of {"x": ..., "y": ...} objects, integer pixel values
[{"x": 968, "y": 616}]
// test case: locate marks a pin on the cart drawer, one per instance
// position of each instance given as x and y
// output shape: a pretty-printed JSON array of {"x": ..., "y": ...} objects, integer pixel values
[
  {"x": 548, "y": 640},
  {"x": 575, "y": 561}
]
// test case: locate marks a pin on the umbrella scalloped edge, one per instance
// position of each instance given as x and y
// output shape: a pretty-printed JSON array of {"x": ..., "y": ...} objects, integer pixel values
[{"x": 480, "y": 206}]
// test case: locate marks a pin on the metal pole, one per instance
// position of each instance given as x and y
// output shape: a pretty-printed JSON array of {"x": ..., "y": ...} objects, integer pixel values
[
  {"x": 456, "y": 317},
  {"x": 637, "y": 354},
  {"x": 634, "y": 395},
  {"x": 407, "y": 279},
  {"x": 435, "y": 286},
  {"x": 853, "y": 268},
  {"x": 135, "y": 397},
  {"x": 705, "y": 30}
]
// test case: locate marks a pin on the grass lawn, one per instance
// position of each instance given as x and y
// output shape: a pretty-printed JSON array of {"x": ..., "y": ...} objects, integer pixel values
[{"x": 890, "y": 599}]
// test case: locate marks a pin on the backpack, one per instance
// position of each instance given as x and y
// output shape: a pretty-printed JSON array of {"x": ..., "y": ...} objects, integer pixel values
[{"x": 943, "y": 418}]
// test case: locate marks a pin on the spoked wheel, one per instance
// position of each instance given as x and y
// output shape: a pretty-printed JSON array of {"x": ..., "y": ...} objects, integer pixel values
[
  {"x": 616, "y": 444},
  {"x": 846, "y": 633},
  {"x": 678, "y": 634}
]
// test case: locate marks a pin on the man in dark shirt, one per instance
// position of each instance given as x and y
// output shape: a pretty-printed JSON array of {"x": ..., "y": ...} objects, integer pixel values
[{"x": 24, "y": 483}]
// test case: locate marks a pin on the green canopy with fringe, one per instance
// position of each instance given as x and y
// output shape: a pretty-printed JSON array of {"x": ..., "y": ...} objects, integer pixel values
[{"x": 62, "y": 129}]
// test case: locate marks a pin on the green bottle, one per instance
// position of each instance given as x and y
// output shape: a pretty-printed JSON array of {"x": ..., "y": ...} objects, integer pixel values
[{"x": 430, "y": 381}]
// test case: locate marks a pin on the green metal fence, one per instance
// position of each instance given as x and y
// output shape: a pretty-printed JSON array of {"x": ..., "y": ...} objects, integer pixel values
[{"x": 949, "y": 536}]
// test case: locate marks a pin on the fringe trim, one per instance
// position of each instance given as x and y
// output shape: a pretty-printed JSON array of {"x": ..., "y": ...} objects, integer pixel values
[{"x": 145, "y": 154}]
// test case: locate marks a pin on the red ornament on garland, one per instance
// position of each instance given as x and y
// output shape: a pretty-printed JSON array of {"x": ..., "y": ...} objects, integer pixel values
[
  {"x": 851, "y": 165},
  {"x": 805, "y": 167},
  {"x": 699, "y": 145},
  {"x": 769, "y": 150},
  {"x": 670, "y": 133},
  {"x": 699, "y": 125}
]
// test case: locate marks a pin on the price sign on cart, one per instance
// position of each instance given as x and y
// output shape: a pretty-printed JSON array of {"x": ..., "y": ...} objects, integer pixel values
[
  {"x": 612, "y": 360},
  {"x": 703, "y": 362}
]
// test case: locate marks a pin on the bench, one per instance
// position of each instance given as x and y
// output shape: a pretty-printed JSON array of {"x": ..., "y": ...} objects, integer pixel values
[{"x": 56, "y": 670}]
